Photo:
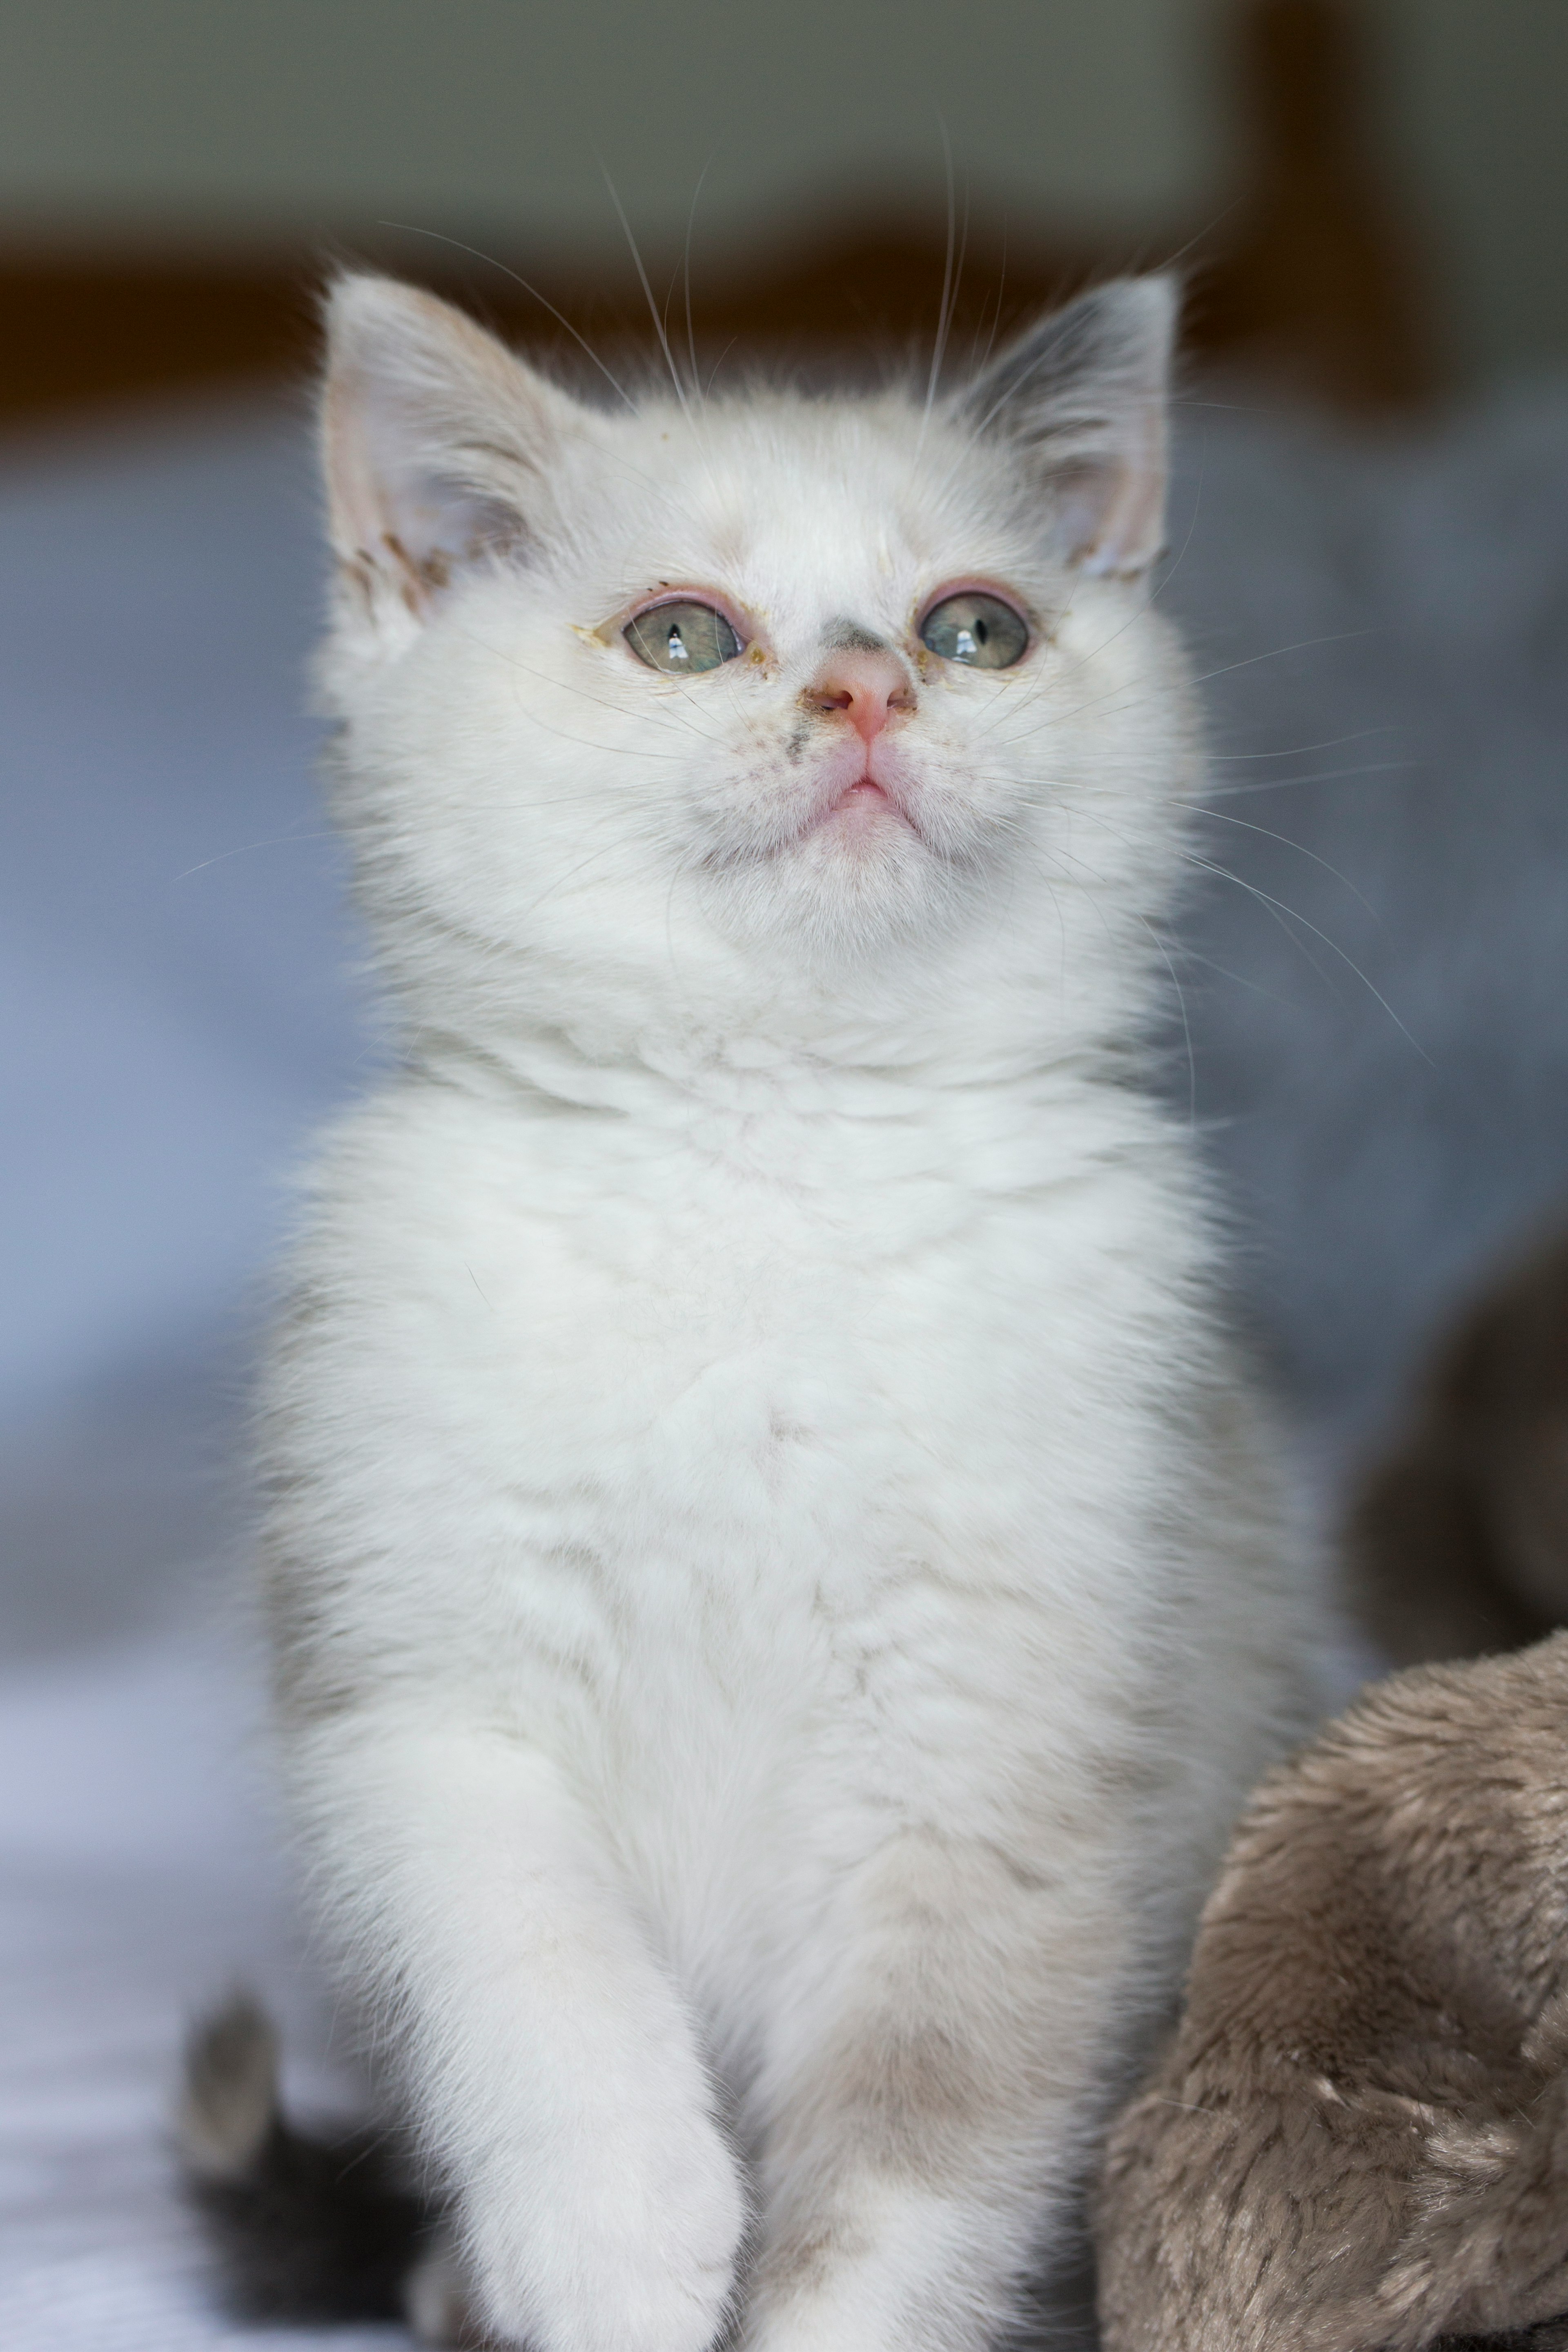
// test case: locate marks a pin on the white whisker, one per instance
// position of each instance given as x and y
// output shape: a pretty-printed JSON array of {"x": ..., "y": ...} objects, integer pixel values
[
  {"x": 1218, "y": 816},
  {"x": 241, "y": 849},
  {"x": 949, "y": 293},
  {"x": 1279, "y": 906},
  {"x": 408, "y": 229},
  {"x": 1316, "y": 776}
]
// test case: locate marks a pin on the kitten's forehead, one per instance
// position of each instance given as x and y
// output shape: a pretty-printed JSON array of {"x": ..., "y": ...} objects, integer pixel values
[{"x": 825, "y": 517}]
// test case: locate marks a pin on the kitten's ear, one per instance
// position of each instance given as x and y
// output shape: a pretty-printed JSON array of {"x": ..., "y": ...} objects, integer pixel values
[
  {"x": 436, "y": 444},
  {"x": 1083, "y": 399}
]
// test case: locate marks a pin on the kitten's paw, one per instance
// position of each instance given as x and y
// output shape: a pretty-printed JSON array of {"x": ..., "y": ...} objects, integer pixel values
[{"x": 635, "y": 2252}]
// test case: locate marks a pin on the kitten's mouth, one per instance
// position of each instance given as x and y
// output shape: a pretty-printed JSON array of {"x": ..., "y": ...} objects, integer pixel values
[
  {"x": 864, "y": 795},
  {"x": 864, "y": 805}
]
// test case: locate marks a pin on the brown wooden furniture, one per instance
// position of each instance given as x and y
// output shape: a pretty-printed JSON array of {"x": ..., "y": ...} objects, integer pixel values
[{"x": 1311, "y": 276}]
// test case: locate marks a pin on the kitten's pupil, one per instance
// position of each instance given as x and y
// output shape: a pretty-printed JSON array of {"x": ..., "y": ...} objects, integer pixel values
[{"x": 677, "y": 647}]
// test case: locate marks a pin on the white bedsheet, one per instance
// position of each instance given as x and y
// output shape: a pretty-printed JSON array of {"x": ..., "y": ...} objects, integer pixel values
[
  {"x": 173, "y": 956},
  {"x": 135, "y": 1879}
]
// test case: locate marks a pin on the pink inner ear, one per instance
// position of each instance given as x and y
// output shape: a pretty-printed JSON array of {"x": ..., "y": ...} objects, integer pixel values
[
  {"x": 1117, "y": 519},
  {"x": 354, "y": 509},
  {"x": 391, "y": 510},
  {"x": 433, "y": 435},
  {"x": 1084, "y": 396}
]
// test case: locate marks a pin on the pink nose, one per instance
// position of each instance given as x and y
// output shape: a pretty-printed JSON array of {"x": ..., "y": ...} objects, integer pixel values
[{"x": 866, "y": 686}]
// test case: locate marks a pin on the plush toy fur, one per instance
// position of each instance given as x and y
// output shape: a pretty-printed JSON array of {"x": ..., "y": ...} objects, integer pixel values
[{"x": 1358, "y": 2140}]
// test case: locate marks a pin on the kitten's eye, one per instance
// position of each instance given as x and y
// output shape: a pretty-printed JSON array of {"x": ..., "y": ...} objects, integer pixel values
[
  {"x": 680, "y": 638},
  {"x": 975, "y": 628}
]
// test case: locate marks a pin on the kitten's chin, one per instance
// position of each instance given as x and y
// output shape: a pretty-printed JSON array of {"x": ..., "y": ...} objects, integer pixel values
[
  {"x": 860, "y": 838},
  {"x": 858, "y": 874}
]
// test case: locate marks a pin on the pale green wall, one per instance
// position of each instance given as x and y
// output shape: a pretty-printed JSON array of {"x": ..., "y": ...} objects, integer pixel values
[
  {"x": 485, "y": 117},
  {"x": 255, "y": 110},
  {"x": 1480, "y": 93}
]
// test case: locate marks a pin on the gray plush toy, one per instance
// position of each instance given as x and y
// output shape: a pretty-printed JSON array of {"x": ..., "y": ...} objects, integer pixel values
[{"x": 1358, "y": 2139}]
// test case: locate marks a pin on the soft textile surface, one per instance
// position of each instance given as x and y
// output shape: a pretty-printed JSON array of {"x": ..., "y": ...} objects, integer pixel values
[
  {"x": 1378, "y": 1027},
  {"x": 135, "y": 1879}
]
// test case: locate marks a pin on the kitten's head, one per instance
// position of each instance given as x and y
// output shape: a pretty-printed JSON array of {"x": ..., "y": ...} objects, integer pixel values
[{"x": 719, "y": 710}]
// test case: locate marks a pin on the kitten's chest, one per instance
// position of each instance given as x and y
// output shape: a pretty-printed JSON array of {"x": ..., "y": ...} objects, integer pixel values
[
  {"x": 731, "y": 1358},
  {"x": 753, "y": 1504},
  {"x": 746, "y": 1411},
  {"x": 866, "y": 1551},
  {"x": 660, "y": 1409}
]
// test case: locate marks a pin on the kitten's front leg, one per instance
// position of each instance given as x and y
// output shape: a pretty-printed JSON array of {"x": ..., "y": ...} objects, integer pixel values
[
  {"x": 553, "y": 2071},
  {"x": 932, "y": 2090}
]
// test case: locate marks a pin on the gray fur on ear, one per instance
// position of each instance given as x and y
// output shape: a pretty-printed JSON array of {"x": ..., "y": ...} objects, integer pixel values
[
  {"x": 436, "y": 442},
  {"x": 1083, "y": 398}
]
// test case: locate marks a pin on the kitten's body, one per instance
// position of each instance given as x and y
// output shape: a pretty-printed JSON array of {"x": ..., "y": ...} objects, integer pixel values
[{"x": 777, "y": 1596}]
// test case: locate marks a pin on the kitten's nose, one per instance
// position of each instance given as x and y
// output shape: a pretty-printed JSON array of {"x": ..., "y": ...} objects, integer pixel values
[{"x": 866, "y": 686}]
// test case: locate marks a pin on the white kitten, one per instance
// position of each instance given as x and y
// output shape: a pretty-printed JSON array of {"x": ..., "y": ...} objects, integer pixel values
[{"x": 776, "y": 1598}]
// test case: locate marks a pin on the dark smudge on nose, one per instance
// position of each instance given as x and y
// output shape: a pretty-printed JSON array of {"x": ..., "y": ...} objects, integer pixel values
[{"x": 849, "y": 637}]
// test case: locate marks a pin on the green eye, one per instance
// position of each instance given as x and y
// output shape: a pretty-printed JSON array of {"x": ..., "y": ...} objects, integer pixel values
[
  {"x": 975, "y": 629},
  {"x": 681, "y": 638}
]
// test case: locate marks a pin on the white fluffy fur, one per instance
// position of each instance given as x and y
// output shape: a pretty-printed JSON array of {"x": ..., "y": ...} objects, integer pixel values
[{"x": 776, "y": 1590}]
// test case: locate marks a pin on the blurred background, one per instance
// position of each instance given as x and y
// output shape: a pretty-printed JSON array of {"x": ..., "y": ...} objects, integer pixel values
[
  {"x": 1369, "y": 1004},
  {"x": 1376, "y": 185}
]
